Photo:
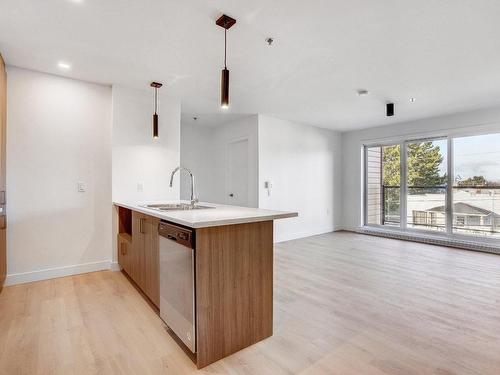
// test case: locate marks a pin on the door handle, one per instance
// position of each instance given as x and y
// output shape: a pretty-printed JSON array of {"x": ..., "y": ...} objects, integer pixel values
[{"x": 170, "y": 237}]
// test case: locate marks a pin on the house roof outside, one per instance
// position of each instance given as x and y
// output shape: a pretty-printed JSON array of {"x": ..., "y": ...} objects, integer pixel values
[
  {"x": 432, "y": 202},
  {"x": 465, "y": 209}
]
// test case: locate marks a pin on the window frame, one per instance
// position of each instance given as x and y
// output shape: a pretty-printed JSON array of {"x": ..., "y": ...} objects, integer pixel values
[
  {"x": 402, "y": 141},
  {"x": 447, "y": 194},
  {"x": 365, "y": 184}
]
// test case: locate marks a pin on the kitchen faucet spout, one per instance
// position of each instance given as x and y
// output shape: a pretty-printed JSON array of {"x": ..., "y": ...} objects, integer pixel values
[{"x": 194, "y": 200}]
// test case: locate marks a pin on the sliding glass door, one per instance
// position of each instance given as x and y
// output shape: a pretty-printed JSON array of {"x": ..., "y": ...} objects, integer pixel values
[{"x": 447, "y": 185}]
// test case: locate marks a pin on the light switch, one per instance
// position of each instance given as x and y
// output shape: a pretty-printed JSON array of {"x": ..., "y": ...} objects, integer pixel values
[
  {"x": 269, "y": 186},
  {"x": 140, "y": 187},
  {"x": 81, "y": 187}
]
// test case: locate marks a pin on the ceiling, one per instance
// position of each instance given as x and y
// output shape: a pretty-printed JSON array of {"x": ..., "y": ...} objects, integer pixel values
[
  {"x": 445, "y": 53},
  {"x": 211, "y": 119}
]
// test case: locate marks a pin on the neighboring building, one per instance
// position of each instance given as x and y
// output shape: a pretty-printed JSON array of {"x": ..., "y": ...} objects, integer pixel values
[
  {"x": 475, "y": 211},
  {"x": 465, "y": 216}
]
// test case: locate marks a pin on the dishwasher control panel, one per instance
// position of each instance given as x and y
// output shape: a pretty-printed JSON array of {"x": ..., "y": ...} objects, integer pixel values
[{"x": 182, "y": 236}]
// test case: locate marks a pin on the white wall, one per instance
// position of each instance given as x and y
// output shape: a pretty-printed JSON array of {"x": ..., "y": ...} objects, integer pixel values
[
  {"x": 59, "y": 133},
  {"x": 487, "y": 120},
  {"x": 304, "y": 164},
  {"x": 198, "y": 154},
  {"x": 203, "y": 151},
  {"x": 137, "y": 157}
]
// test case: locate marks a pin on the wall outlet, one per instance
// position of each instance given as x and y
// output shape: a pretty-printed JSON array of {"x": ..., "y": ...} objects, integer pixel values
[{"x": 81, "y": 187}]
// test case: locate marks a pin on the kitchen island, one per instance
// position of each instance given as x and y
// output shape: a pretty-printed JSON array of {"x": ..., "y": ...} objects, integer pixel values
[{"x": 232, "y": 270}]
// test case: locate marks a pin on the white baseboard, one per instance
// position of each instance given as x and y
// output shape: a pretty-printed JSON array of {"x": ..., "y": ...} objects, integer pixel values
[
  {"x": 114, "y": 266},
  {"x": 351, "y": 229},
  {"x": 309, "y": 233},
  {"x": 51, "y": 273}
]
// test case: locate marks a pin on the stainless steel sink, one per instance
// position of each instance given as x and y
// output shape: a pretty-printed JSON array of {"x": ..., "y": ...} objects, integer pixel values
[{"x": 174, "y": 207}]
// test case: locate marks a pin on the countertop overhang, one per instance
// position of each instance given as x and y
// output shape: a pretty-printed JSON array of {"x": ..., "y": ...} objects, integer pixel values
[{"x": 211, "y": 217}]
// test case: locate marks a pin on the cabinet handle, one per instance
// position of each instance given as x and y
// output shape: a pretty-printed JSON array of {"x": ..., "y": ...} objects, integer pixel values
[
  {"x": 141, "y": 226},
  {"x": 123, "y": 249}
]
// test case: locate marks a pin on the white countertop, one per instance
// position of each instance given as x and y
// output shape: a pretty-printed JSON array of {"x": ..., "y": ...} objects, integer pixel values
[{"x": 210, "y": 217}]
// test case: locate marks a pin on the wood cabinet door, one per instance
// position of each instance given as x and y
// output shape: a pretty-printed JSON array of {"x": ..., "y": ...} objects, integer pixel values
[
  {"x": 144, "y": 258},
  {"x": 125, "y": 252},
  {"x": 151, "y": 261},
  {"x": 3, "y": 215},
  {"x": 138, "y": 243}
]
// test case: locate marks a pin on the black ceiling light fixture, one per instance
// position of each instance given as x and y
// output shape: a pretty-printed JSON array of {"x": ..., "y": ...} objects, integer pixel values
[
  {"x": 225, "y": 22},
  {"x": 155, "y": 86},
  {"x": 389, "y": 109}
]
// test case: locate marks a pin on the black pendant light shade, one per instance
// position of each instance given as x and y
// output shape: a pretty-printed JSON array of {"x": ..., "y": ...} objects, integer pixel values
[
  {"x": 225, "y": 22},
  {"x": 155, "y": 125},
  {"x": 224, "y": 89},
  {"x": 155, "y": 86}
]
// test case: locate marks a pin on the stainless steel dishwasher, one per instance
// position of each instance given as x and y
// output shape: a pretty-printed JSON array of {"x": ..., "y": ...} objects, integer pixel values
[{"x": 177, "y": 304}]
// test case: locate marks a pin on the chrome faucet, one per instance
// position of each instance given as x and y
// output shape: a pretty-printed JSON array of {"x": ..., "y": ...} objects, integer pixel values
[{"x": 194, "y": 200}]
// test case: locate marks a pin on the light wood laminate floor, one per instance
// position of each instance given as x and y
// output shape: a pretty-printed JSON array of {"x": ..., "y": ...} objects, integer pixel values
[{"x": 344, "y": 304}]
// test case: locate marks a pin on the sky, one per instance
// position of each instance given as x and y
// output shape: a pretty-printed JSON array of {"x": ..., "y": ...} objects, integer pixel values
[
  {"x": 473, "y": 156},
  {"x": 477, "y": 156}
]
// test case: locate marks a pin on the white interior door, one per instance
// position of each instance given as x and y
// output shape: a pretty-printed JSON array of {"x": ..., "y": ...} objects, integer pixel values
[{"x": 237, "y": 173}]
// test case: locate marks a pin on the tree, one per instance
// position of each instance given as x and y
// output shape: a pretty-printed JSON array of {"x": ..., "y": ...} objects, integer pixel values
[
  {"x": 391, "y": 179},
  {"x": 423, "y": 160},
  {"x": 391, "y": 166},
  {"x": 423, "y": 170},
  {"x": 474, "y": 181}
]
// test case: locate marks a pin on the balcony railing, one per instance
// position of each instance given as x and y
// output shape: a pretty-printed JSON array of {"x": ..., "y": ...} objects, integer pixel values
[
  {"x": 476, "y": 209},
  {"x": 390, "y": 206}
]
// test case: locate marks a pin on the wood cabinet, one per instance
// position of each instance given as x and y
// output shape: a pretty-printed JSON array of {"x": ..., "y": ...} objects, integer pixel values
[
  {"x": 3, "y": 216},
  {"x": 142, "y": 259},
  {"x": 125, "y": 251},
  {"x": 233, "y": 270},
  {"x": 151, "y": 262},
  {"x": 138, "y": 251},
  {"x": 234, "y": 288}
]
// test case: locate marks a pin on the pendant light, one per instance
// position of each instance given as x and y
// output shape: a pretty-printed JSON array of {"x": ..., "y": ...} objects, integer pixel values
[
  {"x": 155, "y": 86},
  {"x": 225, "y": 22}
]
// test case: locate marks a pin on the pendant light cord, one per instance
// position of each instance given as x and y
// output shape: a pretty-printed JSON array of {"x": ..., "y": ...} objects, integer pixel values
[
  {"x": 156, "y": 100},
  {"x": 225, "y": 47}
]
